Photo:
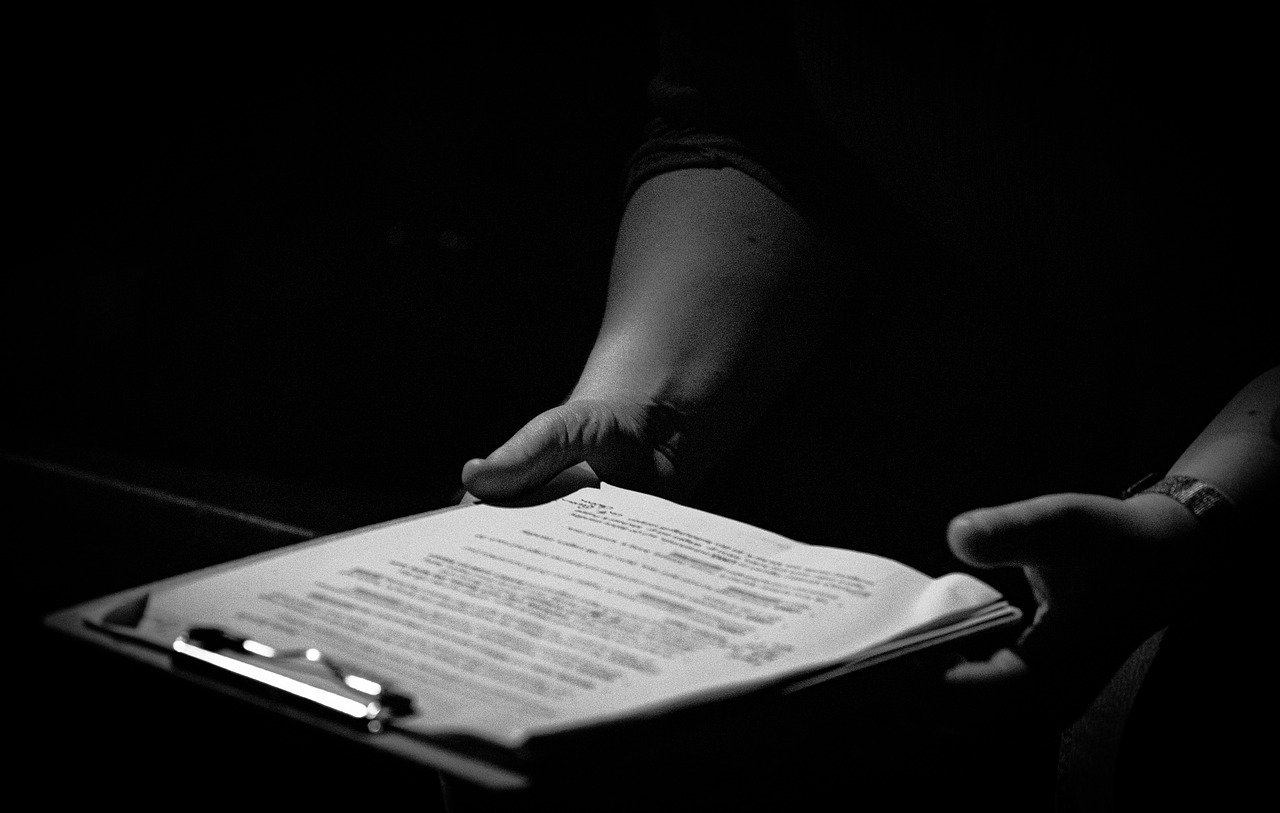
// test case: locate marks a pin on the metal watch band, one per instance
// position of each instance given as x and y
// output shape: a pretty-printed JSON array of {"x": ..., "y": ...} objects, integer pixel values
[{"x": 1210, "y": 505}]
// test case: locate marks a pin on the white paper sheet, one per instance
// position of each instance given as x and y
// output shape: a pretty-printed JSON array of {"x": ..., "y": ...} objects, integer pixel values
[{"x": 508, "y": 622}]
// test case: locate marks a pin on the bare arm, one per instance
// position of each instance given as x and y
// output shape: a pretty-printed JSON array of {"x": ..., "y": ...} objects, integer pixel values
[
  {"x": 1239, "y": 451},
  {"x": 1108, "y": 573},
  {"x": 716, "y": 294}
]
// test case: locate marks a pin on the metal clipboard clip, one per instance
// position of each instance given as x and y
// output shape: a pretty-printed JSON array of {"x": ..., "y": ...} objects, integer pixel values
[{"x": 366, "y": 702}]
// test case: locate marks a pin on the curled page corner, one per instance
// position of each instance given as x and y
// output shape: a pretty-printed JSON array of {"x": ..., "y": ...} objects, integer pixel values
[{"x": 952, "y": 596}]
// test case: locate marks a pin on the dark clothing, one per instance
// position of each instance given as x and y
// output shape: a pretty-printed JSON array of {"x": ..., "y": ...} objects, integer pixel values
[{"x": 995, "y": 127}]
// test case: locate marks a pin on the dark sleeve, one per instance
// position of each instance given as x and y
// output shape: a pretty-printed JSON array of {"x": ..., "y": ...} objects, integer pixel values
[{"x": 728, "y": 94}]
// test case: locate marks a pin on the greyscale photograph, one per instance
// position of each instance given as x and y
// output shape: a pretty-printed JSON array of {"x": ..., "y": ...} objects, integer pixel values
[{"x": 641, "y": 407}]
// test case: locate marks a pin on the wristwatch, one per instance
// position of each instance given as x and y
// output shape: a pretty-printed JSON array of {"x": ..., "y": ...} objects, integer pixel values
[{"x": 1207, "y": 503}]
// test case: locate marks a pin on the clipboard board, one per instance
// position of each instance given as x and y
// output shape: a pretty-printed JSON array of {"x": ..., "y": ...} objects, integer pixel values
[
  {"x": 776, "y": 715},
  {"x": 99, "y": 623}
]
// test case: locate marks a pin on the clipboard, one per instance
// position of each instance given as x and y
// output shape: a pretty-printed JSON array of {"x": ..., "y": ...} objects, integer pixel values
[
  {"x": 776, "y": 714},
  {"x": 101, "y": 623}
]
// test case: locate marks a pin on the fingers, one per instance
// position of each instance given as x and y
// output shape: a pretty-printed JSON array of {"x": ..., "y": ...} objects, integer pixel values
[
  {"x": 1036, "y": 693},
  {"x": 1053, "y": 529},
  {"x": 1103, "y": 572},
  {"x": 544, "y": 447},
  {"x": 1003, "y": 666},
  {"x": 577, "y": 432}
]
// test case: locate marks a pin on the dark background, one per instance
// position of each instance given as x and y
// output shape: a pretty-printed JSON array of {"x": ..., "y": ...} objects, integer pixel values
[
  {"x": 304, "y": 269},
  {"x": 270, "y": 279},
  {"x": 324, "y": 255}
]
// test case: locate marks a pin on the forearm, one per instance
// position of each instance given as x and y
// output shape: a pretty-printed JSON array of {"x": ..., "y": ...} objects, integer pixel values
[
  {"x": 717, "y": 292},
  {"x": 1238, "y": 452}
]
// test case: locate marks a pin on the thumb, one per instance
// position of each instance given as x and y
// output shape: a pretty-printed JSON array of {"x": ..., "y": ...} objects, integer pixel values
[
  {"x": 1052, "y": 529},
  {"x": 542, "y": 449}
]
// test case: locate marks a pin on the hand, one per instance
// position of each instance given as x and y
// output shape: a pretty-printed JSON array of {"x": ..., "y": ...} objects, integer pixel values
[
  {"x": 621, "y": 441},
  {"x": 1106, "y": 574}
]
